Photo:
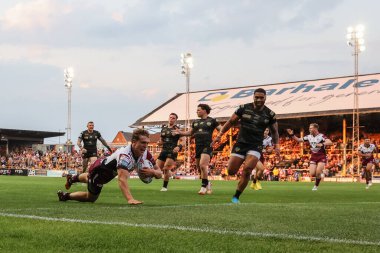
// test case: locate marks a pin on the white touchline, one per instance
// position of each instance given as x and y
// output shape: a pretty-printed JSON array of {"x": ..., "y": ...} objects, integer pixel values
[{"x": 194, "y": 229}]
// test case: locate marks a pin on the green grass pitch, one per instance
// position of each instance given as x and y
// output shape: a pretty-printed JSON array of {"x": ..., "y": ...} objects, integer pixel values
[{"x": 283, "y": 217}]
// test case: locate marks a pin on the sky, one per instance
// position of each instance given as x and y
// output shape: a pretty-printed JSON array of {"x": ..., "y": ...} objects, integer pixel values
[{"x": 126, "y": 54}]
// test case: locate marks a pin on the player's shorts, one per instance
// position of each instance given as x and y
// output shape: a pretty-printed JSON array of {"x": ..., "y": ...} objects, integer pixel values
[
  {"x": 202, "y": 149},
  {"x": 98, "y": 175},
  {"x": 318, "y": 158},
  {"x": 167, "y": 154},
  {"x": 366, "y": 161},
  {"x": 243, "y": 149},
  {"x": 90, "y": 153}
]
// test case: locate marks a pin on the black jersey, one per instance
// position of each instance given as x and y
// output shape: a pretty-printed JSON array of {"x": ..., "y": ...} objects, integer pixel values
[
  {"x": 169, "y": 141},
  {"x": 202, "y": 130},
  {"x": 253, "y": 123},
  {"x": 89, "y": 139}
]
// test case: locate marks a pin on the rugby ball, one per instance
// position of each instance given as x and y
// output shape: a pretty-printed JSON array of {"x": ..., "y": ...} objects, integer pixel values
[{"x": 144, "y": 164}]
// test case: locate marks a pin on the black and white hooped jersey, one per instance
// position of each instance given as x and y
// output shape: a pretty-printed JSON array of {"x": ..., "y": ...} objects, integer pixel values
[
  {"x": 367, "y": 150},
  {"x": 314, "y": 140}
]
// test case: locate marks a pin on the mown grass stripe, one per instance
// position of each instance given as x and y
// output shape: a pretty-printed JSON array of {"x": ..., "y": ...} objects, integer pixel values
[{"x": 195, "y": 229}]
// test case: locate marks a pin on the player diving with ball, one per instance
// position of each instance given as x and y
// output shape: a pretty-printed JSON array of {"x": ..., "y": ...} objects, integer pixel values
[{"x": 121, "y": 163}]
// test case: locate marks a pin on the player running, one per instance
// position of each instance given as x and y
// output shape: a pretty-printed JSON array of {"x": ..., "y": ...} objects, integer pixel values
[
  {"x": 167, "y": 158},
  {"x": 89, "y": 149},
  {"x": 259, "y": 170},
  {"x": 254, "y": 119},
  {"x": 366, "y": 151},
  {"x": 123, "y": 161},
  {"x": 202, "y": 130},
  {"x": 318, "y": 158}
]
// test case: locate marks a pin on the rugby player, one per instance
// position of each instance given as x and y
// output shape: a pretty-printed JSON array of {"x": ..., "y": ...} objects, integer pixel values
[
  {"x": 366, "y": 151},
  {"x": 254, "y": 118},
  {"x": 167, "y": 158},
  {"x": 259, "y": 170},
  {"x": 318, "y": 158},
  {"x": 123, "y": 161},
  {"x": 89, "y": 150},
  {"x": 202, "y": 130}
]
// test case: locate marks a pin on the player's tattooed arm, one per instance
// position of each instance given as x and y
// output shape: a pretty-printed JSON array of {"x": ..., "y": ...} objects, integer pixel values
[
  {"x": 79, "y": 143},
  {"x": 105, "y": 143},
  {"x": 230, "y": 122}
]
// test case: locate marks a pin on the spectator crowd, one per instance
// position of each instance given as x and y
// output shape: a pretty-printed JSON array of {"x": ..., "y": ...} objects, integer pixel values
[
  {"x": 291, "y": 165},
  {"x": 26, "y": 158}
]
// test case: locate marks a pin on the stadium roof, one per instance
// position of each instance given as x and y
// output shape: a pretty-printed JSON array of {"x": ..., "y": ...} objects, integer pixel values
[
  {"x": 17, "y": 133},
  {"x": 127, "y": 136},
  {"x": 320, "y": 97}
]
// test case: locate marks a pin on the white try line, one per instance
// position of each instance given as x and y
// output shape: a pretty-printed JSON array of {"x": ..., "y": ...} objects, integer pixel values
[
  {"x": 147, "y": 206},
  {"x": 278, "y": 204},
  {"x": 195, "y": 229}
]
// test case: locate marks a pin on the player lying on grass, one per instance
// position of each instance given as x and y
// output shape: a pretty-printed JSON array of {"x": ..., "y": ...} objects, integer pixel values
[{"x": 120, "y": 163}]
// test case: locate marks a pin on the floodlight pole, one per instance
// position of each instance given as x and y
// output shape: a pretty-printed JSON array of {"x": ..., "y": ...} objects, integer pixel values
[
  {"x": 68, "y": 74},
  {"x": 69, "y": 115},
  {"x": 355, "y": 39},
  {"x": 355, "y": 113},
  {"x": 187, "y": 65}
]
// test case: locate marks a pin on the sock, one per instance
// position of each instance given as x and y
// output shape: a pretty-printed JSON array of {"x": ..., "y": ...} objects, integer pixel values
[
  {"x": 67, "y": 196},
  {"x": 166, "y": 184},
  {"x": 204, "y": 182},
  {"x": 237, "y": 194},
  {"x": 317, "y": 181},
  {"x": 367, "y": 177}
]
